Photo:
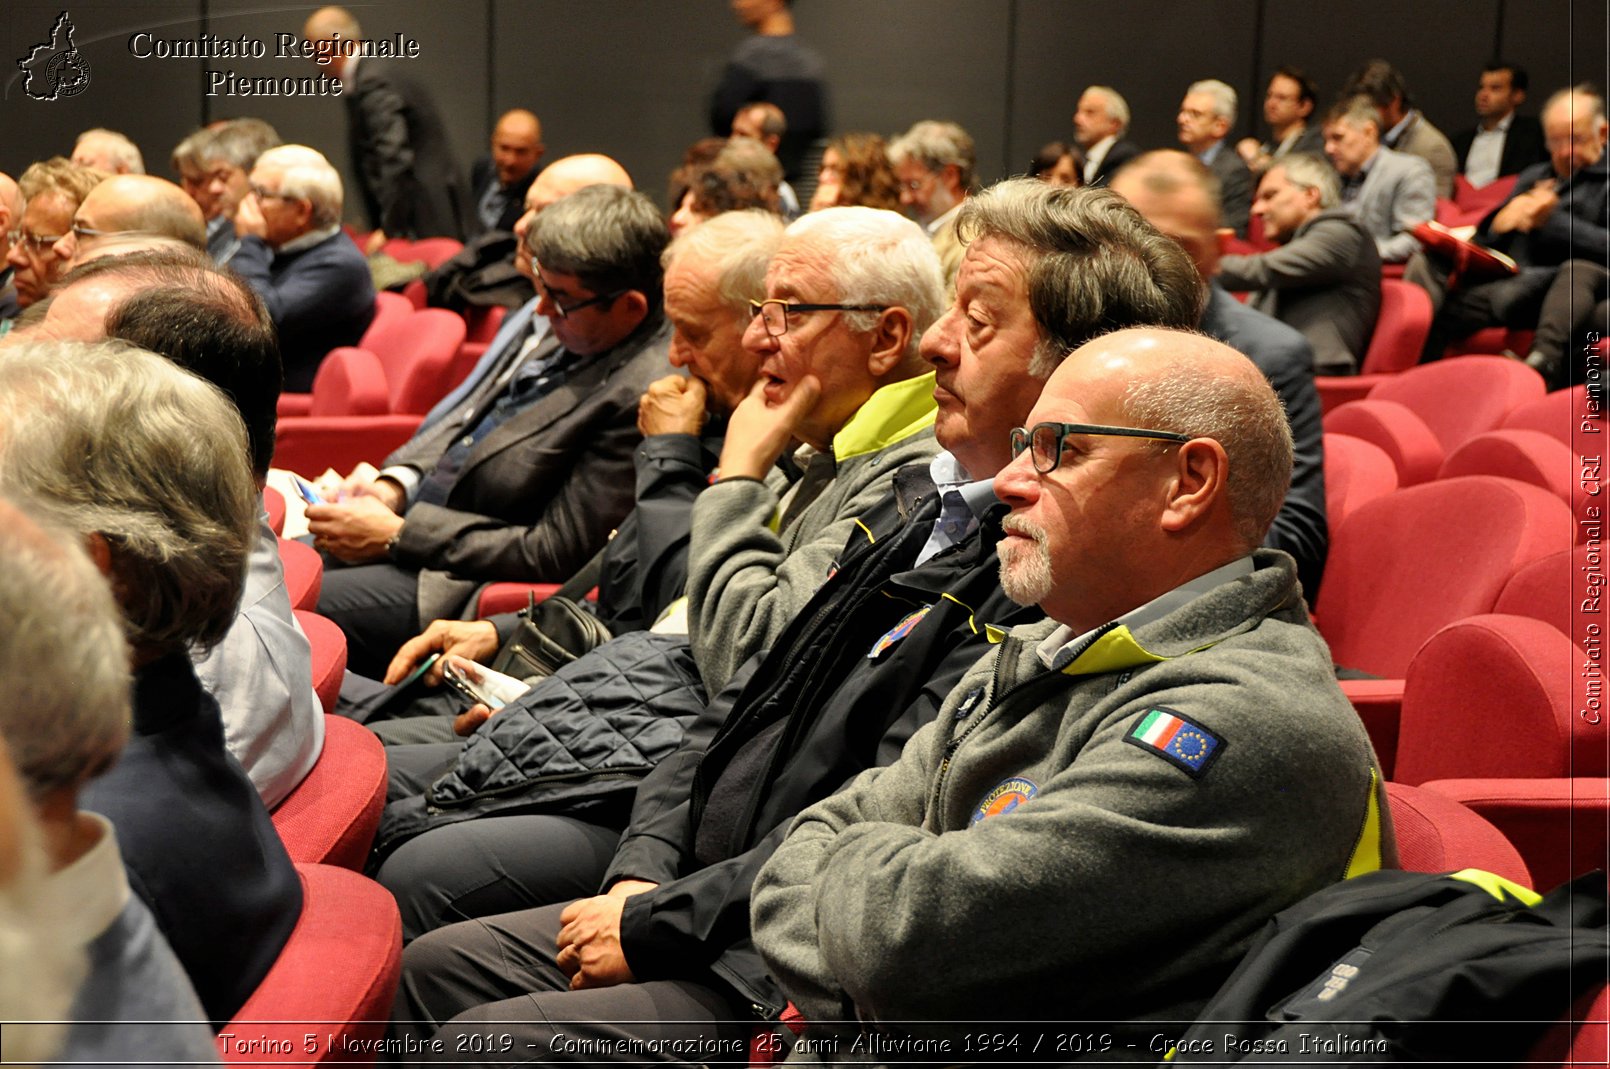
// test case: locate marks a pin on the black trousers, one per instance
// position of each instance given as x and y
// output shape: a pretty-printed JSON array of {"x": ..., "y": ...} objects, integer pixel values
[
  {"x": 1576, "y": 304},
  {"x": 491, "y": 993},
  {"x": 377, "y": 607}
]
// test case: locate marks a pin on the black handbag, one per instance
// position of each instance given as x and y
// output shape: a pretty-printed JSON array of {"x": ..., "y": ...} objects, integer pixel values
[{"x": 552, "y": 633}]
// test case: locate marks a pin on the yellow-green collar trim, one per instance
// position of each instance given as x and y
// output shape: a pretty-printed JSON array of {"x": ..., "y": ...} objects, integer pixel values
[
  {"x": 893, "y": 413},
  {"x": 1114, "y": 651}
]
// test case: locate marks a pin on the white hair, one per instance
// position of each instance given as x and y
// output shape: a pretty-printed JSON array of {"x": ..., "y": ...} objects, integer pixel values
[
  {"x": 306, "y": 175},
  {"x": 876, "y": 257},
  {"x": 1224, "y": 98},
  {"x": 737, "y": 246},
  {"x": 1117, "y": 106},
  {"x": 124, "y": 154}
]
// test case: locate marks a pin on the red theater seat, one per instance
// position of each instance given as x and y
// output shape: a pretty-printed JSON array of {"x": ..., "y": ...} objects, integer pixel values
[
  {"x": 1437, "y": 834},
  {"x": 304, "y": 573},
  {"x": 1561, "y": 826},
  {"x": 329, "y": 655},
  {"x": 332, "y": 815}
]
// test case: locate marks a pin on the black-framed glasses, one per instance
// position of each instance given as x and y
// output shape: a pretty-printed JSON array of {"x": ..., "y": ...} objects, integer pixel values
[
  {"x": 1044, "y": 440},
  {"x": 40, "y": 243},
  {"x": 266, "y": 194},
  {"x": 774, "y": 312},
  {"x": 564, "y": 311}
]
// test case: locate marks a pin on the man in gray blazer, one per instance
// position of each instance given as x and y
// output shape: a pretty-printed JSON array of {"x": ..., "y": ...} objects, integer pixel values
[
  {"x": 526, "y": 478},
  {"x": 1388, "y": 192},
  {"x": 1325, "y": 277}
]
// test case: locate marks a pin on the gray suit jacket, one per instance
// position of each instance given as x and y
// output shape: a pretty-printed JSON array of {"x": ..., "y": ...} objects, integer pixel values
[
  {"x": 1424, "y": 140},
  {"x": 539, "y": 495},
  {"x": 1325, "y": 281},
  {"x": 1398, "y": 194}
]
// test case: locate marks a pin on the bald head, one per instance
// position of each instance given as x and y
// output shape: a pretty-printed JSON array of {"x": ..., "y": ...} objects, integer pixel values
[
  {"x": 1122, "y": 519},
  {"x": 516, "y": 145},
  {"x": 1178, "y": 195},
  {"x": 564, "y": 176},
  {"x": 329, "y": 22},
  {"x": 134, "y": 203}
]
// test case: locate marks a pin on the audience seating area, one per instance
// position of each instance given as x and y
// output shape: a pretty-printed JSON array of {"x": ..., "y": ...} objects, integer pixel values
[{"x": 1464, "y": 538}]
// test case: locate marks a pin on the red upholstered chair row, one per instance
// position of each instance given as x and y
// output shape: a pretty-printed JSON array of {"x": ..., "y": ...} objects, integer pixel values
[
  {"x": 1356, "y": 472},
  {"x": 1548, "y": 589},
  {"x": 311, "y": 444},
  {"x": 1560, "y": 825},
  {"x": 390, "y": 309},
  {"x": 1437, "y": 834},
  {"x": 304, "y": 573},
  {"x": 329, "y": 655},
  {"x": 332, "y": 815},
  {"x": 274, "y": 505},
  {"x": 432, "y": 252},
  {"x": 1497, "y": 696},
  {"x": 1421, "y": 415},
  {"x": 1562, "y": 414},
  {"x": 1400, "y": 334},
  {"x": 335, "y": 979},
  {"x": 1407, "y": 564}
]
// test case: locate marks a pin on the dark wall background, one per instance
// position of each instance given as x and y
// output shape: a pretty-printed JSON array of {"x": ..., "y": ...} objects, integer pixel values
[{"x": 631, "y": 77}]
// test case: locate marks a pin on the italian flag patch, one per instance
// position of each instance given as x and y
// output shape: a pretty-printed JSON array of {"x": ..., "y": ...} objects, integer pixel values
[{"x": 1176, "y": 738}]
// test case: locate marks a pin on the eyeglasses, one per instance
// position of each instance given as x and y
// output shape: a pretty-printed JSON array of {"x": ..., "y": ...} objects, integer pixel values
[
  {"x": 1044, "y": 440},
  {"x": 565, "y": 311},
  {"x": 268, "y": 194},
  {"x": 39, "y": 243},
  {"x": 774, "y": 313},
  {"x": 79, "y": 230}
]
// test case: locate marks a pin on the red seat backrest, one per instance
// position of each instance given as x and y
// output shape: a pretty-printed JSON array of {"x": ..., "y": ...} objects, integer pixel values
[
  {"x": 1401, "y": 328},
  {"x": 1437, "y": 834},
  {"x": 350, "y": 382},
  {"x": 419, "y": 371},
  {"x": 1464, "y": 396}
]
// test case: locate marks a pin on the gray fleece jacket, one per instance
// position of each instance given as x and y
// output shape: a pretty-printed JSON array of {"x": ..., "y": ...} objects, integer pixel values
[
  {"x": 746, "y": 580},
  {"x": 1031, "y": 856}
]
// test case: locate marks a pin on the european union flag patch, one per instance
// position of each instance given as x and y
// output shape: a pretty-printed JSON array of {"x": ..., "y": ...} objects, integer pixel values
[{"x": 1176, "y": 738}]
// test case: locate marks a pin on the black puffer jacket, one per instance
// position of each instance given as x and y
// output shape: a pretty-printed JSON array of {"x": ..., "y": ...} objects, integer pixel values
[{"x": 603, "y": 722}]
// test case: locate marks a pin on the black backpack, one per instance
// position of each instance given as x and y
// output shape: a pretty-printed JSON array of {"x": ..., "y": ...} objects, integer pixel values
[{"x": 1465, "y": 968}]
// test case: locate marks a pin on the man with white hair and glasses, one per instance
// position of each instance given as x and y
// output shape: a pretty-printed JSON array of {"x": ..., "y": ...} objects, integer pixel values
[{"x": 315, "y": 282}]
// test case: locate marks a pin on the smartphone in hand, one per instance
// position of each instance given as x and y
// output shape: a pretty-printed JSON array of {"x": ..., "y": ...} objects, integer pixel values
[{"x": 480, "y": 684}]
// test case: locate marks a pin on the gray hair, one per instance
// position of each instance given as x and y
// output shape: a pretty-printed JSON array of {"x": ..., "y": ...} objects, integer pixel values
[
  {"x": 1095, "y": 264},
  {"x": 877, "y": 257},
  {"x": 937, "y": 145},
  {"x": 737, "y": 246},
  {"x": 1308, "y": 171},
  {"x": 125, "y": 153},
  {"x": 1356, "y": 111},
  {"x": 1117, "y": 106},
  {"x": 1224, "y": 98},
  {"x": 1243, "y": 414},
  {"x": 108, "y": 439},
  {"x": 187, "y": 153},
  {"x": 63, "y": 657},
  {"x": 610, "y": 238},
  {"x": 240, "y": 143},
  {"x": 306, "y": 175}
]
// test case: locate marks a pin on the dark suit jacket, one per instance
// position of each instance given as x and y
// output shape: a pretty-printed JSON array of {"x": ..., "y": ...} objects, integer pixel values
[
  {"x": 1287, "y": 361},
  {"x": 1579, "y": 225},
  {"x": 199, "y": 847},
  {"x": 482, "y": 177},
  {"x": 1235, "y": 188},
  {"x": 1122, "y": 152},
  {"x": 1523, "y": 146},
  {"x": 319, "y": 298},
  {"x": 1325, "y": 282},
  {"x": 539, "y": 495},
  {"x": 412, "y": 187}
]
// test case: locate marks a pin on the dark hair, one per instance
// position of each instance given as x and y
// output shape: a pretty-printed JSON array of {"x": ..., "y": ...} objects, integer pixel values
[
  {"x": 1051, "y": 152},
  {"x": 1307, "y": 91},
  {"x": 743, "y": 175},
  {"x": 1381, "y": 82},
  {"x": 1517, "y": 73},
  {"x": 608, "y": 237},
  {"x": 207, "y": 321}
]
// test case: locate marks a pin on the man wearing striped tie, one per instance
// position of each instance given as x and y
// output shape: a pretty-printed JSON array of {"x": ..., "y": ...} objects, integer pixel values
[{"x": 1113, "y": 801}]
